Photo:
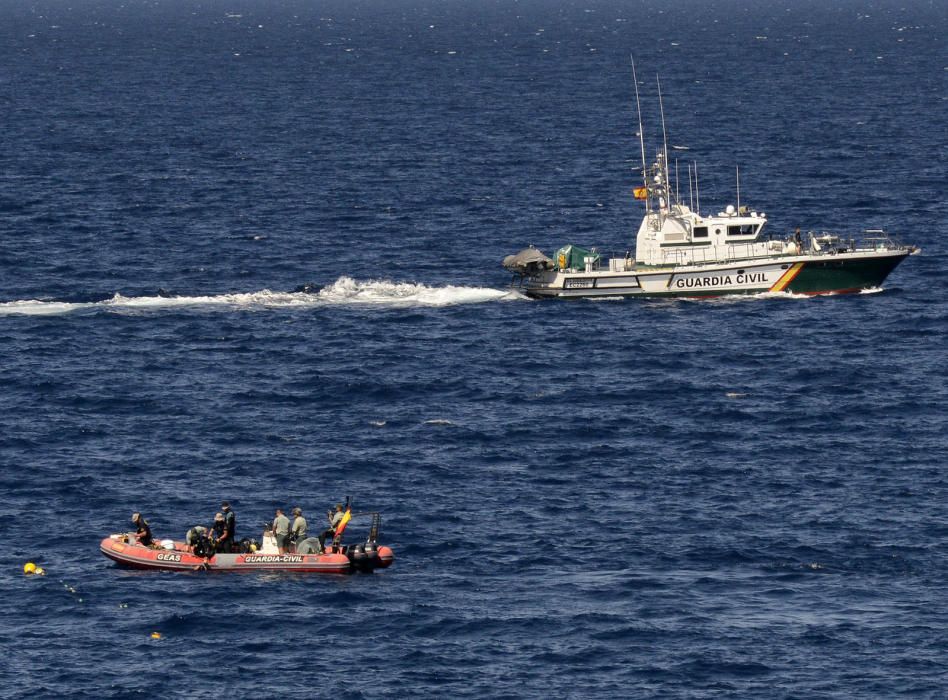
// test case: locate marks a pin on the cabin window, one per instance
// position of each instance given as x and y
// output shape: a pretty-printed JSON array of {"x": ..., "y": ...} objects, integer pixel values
[
  {"x": 742, "y": 230},
  {"x": 700, "y": 232}
]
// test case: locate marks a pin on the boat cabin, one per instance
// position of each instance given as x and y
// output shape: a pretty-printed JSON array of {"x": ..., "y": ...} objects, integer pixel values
[{"x": 672, "y": 233}]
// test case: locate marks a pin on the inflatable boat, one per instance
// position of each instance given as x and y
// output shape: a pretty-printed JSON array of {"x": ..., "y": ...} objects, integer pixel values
[{"x": 173, "y": 555}]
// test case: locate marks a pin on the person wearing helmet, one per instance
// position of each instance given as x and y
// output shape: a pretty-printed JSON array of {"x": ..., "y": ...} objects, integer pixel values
[{"x": 298, "y": 532}]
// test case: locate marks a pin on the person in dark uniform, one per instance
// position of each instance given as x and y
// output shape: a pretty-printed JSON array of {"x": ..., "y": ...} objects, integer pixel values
[
  {"x": 143, "y": 531},
  {"x": 229, "y": 540},
  {"x": 217, "y": 532}
]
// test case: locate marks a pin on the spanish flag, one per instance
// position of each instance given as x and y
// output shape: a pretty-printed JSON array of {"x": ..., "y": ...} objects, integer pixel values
[
  {"x": 347, "y": 516},
  {"x": 640, "y": 192}
]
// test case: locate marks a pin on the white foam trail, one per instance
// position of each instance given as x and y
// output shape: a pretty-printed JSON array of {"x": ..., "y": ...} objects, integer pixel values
[
  {"x": 743, "y": 298},
  {"x": 346, "y": 290},
  {"x": 343, "y": 291},
  {"x": 32, "y": 307}
]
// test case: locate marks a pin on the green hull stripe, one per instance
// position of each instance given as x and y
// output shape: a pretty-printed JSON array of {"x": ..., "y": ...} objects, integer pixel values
[{"x": 843, "y": 275}]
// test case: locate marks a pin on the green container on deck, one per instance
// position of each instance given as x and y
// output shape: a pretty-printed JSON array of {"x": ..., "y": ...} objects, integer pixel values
[{"x": 573, "y": 257}]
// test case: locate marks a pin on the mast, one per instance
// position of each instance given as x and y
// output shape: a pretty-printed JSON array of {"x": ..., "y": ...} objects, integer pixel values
[
  {"x": 677, "y": 191},
  {"x": 661, "y": 107},
  {"x": 691, "y": 191},
  {"x": 737, "y": 169},
  {"x": 638, "y": 108},
  {"x": 697, "y": 192}
]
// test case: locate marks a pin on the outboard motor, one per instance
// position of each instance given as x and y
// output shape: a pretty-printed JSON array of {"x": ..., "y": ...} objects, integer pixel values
[
  {"x": 372, "y": 554},
  {"x": 357, "y": 557}
]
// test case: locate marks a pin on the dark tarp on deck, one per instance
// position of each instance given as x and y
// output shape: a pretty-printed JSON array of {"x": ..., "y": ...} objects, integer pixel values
[{"x": 528, "y": 261}]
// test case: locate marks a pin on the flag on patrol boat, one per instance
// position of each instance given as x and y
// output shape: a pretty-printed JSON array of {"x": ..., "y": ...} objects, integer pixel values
[
  {"x": 640, "y": 192},
  {"x": 347, "y": 516}
]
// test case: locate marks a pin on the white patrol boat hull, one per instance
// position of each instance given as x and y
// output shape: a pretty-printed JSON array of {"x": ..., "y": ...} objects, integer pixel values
[{"x": 839, "y": 273}]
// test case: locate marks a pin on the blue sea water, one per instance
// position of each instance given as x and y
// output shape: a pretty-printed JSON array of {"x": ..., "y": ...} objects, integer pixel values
[{"x": 721, "y": 498}]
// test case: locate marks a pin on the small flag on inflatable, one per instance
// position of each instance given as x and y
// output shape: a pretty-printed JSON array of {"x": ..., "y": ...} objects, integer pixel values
[{"x": 347, "y": 516}]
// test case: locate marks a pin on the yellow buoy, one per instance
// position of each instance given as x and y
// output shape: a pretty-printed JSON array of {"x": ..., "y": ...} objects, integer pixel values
[
  {"x": 29, "y": 568},
  {"x": 156, "y": 635}
]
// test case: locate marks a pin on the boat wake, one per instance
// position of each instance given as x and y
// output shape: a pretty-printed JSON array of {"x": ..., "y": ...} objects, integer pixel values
[
  {"x": 744, "y": 298},
  {"x": 344, "y": 291}
]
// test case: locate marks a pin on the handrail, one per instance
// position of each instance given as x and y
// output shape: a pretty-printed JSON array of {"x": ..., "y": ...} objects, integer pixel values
[
  {"x": 761, "y": 249},
  {"x": 829, "y": 244}
]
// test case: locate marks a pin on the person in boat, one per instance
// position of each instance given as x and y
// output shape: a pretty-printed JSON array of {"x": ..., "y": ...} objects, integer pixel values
[
  {"x": 798, "y": 240},
  {"x": 281, "y": 530},
  {"x": 229, "y": 540},
  {"x": 194, "y": 534},
  {"x": 217, "y": 531},
  {"x": 334, "y": 517},
  {"x": 298, "y": 532},
  {"x": 197, "y": 539},
  {"x": 143, "y": 531}
]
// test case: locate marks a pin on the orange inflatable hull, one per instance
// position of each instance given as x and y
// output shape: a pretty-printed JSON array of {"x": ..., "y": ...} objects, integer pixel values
[{"x": 137, "y": 556}]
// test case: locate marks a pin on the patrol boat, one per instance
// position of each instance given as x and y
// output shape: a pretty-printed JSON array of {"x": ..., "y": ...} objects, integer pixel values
[
  {"x": 172, "y": 555},
  {"x": 680, "y": 252}
]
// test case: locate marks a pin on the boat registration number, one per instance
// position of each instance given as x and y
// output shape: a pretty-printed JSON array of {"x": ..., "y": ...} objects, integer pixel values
[{"x": 579, "y": 283}]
